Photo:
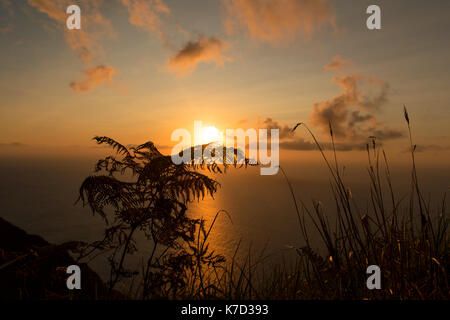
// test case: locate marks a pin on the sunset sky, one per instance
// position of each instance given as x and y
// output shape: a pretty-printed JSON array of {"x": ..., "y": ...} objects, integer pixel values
[{"x": 137, "y": 70}]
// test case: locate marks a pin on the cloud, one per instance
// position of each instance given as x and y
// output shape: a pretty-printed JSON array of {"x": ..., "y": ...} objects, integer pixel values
[
  {"x": 54, "y": 9},
  {"x": 297, "y": 144},
  {"x": 427, "y": 147},
  {"x": 289, "y": 141},
  {"x": 6, "y": 27},
  {"x": 84, "y": 42},
  {"x": 209, "y": 50},
  {"x": 337, "y": 64},
  {"x": 94, "y": 77},
  {"x": 13, "y": 144},
  {"x": 145, "y": 13},
  {"x": 284, "y": 130},
  {"x": 302, "y": 144},
  {"x": 8, "y": 7},
  {"x": 352, "y": 113},
  {"x": 278, "y": 21}
]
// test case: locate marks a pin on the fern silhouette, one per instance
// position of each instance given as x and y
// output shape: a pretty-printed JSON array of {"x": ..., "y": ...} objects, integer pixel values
[{"x": 154, "y": 201}]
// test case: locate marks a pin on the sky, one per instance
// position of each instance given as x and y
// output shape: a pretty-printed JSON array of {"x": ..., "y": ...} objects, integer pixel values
[{"x": 139, "y": 69}]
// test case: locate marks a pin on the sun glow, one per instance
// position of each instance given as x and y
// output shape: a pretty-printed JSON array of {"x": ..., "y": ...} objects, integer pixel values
[{"x": 211, "y": 134}]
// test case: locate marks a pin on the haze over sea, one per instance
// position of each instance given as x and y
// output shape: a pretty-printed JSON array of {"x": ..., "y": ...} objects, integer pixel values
[{"x": 39, "y": 187}]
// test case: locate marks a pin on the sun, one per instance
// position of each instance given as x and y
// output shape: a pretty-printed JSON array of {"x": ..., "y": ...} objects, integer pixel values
[{"x": 210, "y": 134}]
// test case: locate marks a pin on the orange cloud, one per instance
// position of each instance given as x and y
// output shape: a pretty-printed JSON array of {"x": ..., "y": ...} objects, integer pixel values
[
  {"x": 337, "y": 64},
  {"x": 54, "y": 9},
  {"x": 204, "y": 50},
  {"x": 94, "y": 77},
  {"x": 93, "y": 26},
  {"x": 84, "y": 42},
  {"x": 145, "y": 14},
  {"x": 278, "y": 21}
]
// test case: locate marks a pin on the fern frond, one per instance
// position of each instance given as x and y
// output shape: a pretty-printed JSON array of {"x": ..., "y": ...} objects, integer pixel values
[{"x": 120, "y": 149}]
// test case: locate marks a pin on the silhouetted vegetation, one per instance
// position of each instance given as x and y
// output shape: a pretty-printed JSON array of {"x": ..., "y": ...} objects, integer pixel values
[
  {"x": 406, "y": 238},
  {"x": 32, "y": 268},
  {"x": 141, "y": 192}
]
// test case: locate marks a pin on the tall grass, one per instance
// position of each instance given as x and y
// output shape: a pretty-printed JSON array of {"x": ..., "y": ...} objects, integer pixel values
[{"x": 405, "y": 237}]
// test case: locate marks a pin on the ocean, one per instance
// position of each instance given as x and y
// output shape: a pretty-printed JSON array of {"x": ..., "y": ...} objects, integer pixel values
[{"x": 38, "y": 191}]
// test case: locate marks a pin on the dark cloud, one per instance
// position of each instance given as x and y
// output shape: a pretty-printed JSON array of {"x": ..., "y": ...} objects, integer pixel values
[
  {"x": 13, "y": 144},
  {"x": 427, "y": 147},
  {"x": 204, "y": 50},
  {"x": 289, "y": 140},
  {"x": 284, "y": 130},
  {"x": 302, "y": 144},
  {"x": 297, "y": 144},
  {"x": 353, "y": 112}
]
